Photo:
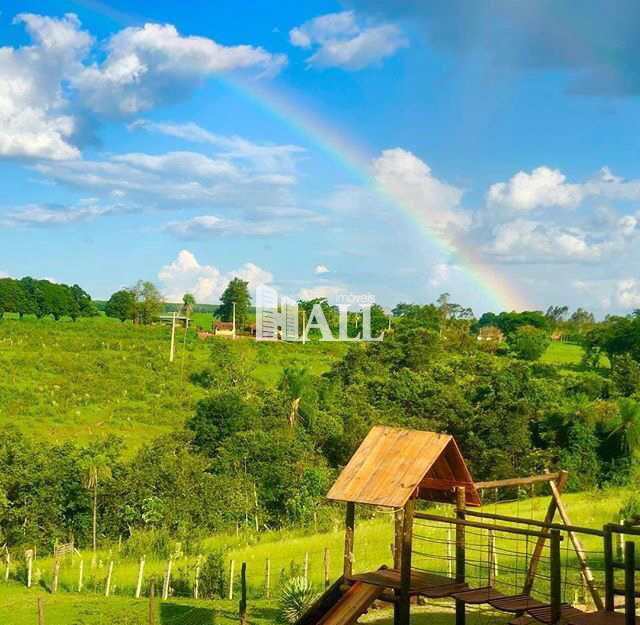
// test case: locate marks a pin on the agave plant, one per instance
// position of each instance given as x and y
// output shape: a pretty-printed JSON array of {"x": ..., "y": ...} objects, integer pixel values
[{"x": 296, "y": 598}]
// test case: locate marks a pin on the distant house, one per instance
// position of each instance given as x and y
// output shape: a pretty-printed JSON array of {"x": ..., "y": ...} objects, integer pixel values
[
  {"x": 558, "y": 336},
  {"x": 223, "y": 328},
  {"x": 491, "y": 334}
]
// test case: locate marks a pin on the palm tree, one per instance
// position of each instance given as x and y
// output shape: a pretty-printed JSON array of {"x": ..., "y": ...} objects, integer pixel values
[
  {"x": 97, "y": 468},
  {"x": 628, "y": 426},
  {"x": 188, "y": 304}
]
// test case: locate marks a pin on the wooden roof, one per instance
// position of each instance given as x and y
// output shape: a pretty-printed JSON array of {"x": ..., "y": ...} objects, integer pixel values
[{"x": 392, "y": 464}]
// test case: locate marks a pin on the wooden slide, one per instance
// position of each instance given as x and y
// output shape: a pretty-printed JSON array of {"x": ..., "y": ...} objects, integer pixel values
[{"x": 341, "y": 607}]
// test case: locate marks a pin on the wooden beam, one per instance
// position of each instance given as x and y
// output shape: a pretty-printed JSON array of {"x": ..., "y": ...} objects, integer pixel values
[
  {"x": 404, "y": 610},
  {"x": 579, "y": 549},
  {"x": 435, "y": 483},
  {"x": 556, "y": 577},
  {"x": 461, "y": 499},
  {"x": 485, "y": 526},
  {"x": 348, "y": 538},
  {"x": 561, "y": 482},
  {"x": 609, "y": 590},
  {"x": 630, "y": 583},
  {"x": 519, "y": 481}
]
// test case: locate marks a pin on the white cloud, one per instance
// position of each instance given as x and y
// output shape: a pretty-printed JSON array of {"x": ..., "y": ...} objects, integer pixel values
[
  {"x": 411, "y": 183},
  {"x": 47, "y": 86},
  {"x": 264, "y": 157},
  {"x": 55, "y": 215},
  {"x": 439, "y": 274},
  {"x": 210, "y": 225},
  {"x": 206, "y": 282},
  {"x": 153, "y": 64},
  {"x": 628, "y": 293},
  {"x": 341, "y": 41},
  {"x": 545, "y": 187},
  {"x": 320, "y": 269}
]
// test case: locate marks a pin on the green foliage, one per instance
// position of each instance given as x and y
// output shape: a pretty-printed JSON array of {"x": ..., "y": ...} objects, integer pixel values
[
  {"x": 631, "y": 507},
  {"x": 213, "y": 577},
  {"x": 625, "y": 374},
  {"x": 296, "y": 597},
  {"x": 237, "y": 292},
  {"x": 528, "y": 342},
  {"x": 121, "y": 305},
  {"x": 509, "y": 322}
]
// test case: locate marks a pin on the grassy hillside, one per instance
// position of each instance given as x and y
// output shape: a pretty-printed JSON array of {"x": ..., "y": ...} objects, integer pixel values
[
  {"x": 68, "y": 380},
  {"x": 287, "y": 551}
]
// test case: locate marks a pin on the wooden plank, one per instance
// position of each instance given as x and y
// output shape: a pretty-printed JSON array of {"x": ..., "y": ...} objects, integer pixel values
[
  {"x": 519, "y": 481},
  {"x": 348, "y": 538},
  {"x": 405, "y": 565},
  {"x": 579, "y": 549},
  {"x": 539, "y": 546},
  {"x": 485, "y": 526},
  {"x": 461, "y": 499},
  {"x": 630, "y": 583},
  {"x": 555, "y": 572},
  {"x": 353, "y": 604}
]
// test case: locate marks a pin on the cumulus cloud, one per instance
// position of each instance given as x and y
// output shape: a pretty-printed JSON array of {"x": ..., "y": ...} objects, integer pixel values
[
  {"x": 320, "y": 269},
  {"x": 211, "y": 226},
  {"x": 628, "y": 293},
  {"x": 154, "y": 64},
  {"x": 410, "y": 181},
  {"x": 328, "y": 291},
  {"x": 57, "y": 215},
  {"x": 49, "y": 86},
  {"x": 439, "y": 274},
  {"x": 206, "y": 282},
  {"x": 340, "y": 40},
  {"x": 545, "y": 187}
]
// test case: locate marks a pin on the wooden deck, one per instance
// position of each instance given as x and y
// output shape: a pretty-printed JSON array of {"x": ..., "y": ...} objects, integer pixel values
[{"x": 426, "y": 584}]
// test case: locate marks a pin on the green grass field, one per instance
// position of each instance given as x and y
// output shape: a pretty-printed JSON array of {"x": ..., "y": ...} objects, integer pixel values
[
  {"x": 568, "y": 355},
  {"x": 67, "y": 380},
  {"x": 287, "y": 551}
]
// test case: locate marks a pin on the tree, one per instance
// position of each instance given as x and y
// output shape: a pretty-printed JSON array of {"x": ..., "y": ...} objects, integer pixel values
[
  {"x": 237, "y": 292},
  {"x": 556, "y": 313},
  {"x": 11, "y": 296},
  {"x": 581, "y": 317},
  {"x": 121, "y": 305},
  {"x": 148, "y": 301},
  {"x": 86, "y": 307},
  {"x": 529, "y": 343},
  {"x": 188, "y": 304}
]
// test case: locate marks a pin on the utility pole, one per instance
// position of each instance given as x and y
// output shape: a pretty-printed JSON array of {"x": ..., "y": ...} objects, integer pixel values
[
  {"x": 173, "y": 338},
  {"x": 234, "y": 320},
  {"x": 304, "y": 327}
]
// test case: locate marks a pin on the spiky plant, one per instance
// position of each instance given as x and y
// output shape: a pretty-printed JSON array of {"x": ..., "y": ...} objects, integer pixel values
[{"x": 296, "y": 598}]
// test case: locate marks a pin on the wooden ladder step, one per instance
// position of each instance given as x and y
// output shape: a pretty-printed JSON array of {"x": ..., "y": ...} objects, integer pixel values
[
  {"x": 478, "y": 595},
  {"x": 515, "y": 603}
]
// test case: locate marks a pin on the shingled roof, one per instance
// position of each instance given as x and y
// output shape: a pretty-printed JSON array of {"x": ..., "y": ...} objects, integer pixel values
[{"x": 392, "y": 464}]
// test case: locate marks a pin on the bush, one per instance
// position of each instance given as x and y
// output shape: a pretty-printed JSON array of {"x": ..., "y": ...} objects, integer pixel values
[
  {"x": 631, "y": 507},
  {"x": 212, "y": 576},
  {"x": 296, "y": 598},
  {"x": 529, "y": 343}
]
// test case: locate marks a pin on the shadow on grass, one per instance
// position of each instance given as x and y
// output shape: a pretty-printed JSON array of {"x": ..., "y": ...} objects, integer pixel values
[
  {"x": 176, "y": 614},
  {"x": 267, "y": 614}
]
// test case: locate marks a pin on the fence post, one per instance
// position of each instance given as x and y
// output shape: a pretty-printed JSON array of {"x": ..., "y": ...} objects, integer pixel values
[
  {"x": 6, "y": 571},
  {"x": 167, "y": 580},
  {"x": 56, "y": 573},
  {"x": 461, "y": 500},
  {"x": 306, "y": 567},
  {"x": 620, "y": 550},
  {"x": 348, "y": 538},
  {"x": 556, "y": 577},
  {"x": 140, "y": 577},
  {"x": 196, "y": 585},
  {"x": 152, "y": 601},
  {"x": 107, "y": 588},
  {"x": 608, "y": 568},
  {"x": 40, "y": 611},
  {"x": 326, "y": 567},
  {"x": 630, "y": 583},
  {"x": 449, "y": 553},
  {"x": 267, "y": 579},
  {"x": 231, "y": 567},
  {"x": 80, "y": 575},
  {"x": 243, "y": 594}
]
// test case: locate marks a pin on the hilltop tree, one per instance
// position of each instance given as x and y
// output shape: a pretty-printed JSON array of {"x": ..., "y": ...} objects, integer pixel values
[
  {"x": 148, "y": 301},
  {"x": 86, "y": 307},
  {"x": 121, "y": 305},
  {"x": 528, "y": 342},
  {"x": 11, "y": 296},
  {"x": 188, "y": 304},
  {"x": 237, "y": 292}
]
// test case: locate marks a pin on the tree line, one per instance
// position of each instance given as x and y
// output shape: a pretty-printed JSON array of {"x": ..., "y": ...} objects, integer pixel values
[{"x": 43, "y": 298}]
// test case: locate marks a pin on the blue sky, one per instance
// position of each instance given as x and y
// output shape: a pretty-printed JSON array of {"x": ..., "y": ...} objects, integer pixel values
[{"x": 489, "y": 150}]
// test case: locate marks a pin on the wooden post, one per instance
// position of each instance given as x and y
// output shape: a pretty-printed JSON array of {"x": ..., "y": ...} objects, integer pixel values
[
  {"x": 461, "y": 500},
  {"x": 492, "y": 558},
  {"x": 608, "y": 569},
  {"x": 29, "y": 571},
  {"x": 449, "y": 553},
  {"x": 404, "y": 609},
  {"x": 621, "y": 547},
  {"x": 348, "y": 538},
  {"x": 580, "y": 552},
  {"x": 326, "y": 568},
  {"x": 243, "y": 594},
  {"x": 80, "y": 575},
  {"x": 172, "y": 353},
  {"x": 196, "y": 584},
  {"x": 539, "y": 546},
  {"x": 397, "y": 552},
  {"x": 231, "y": 567},
  {"x": 56, "y": 574},
  {"x": 629, "y": 583},
  {"x": 267, "y": 579},
  {"x": 140, "y": 577},
  {"x": 40, "y": 611},
  {"x": 6, "y": 571},
  {"x": 152, "y": 601},
  {"x": 107, "y": 588},
  {"x": 167, "y": 580},
  {"x": 306, "y": 567},
  {"x": 556, "y": 577}
]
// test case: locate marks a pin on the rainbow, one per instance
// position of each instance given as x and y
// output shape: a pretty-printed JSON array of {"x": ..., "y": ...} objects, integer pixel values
[{"x": 355, "y": 159}]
